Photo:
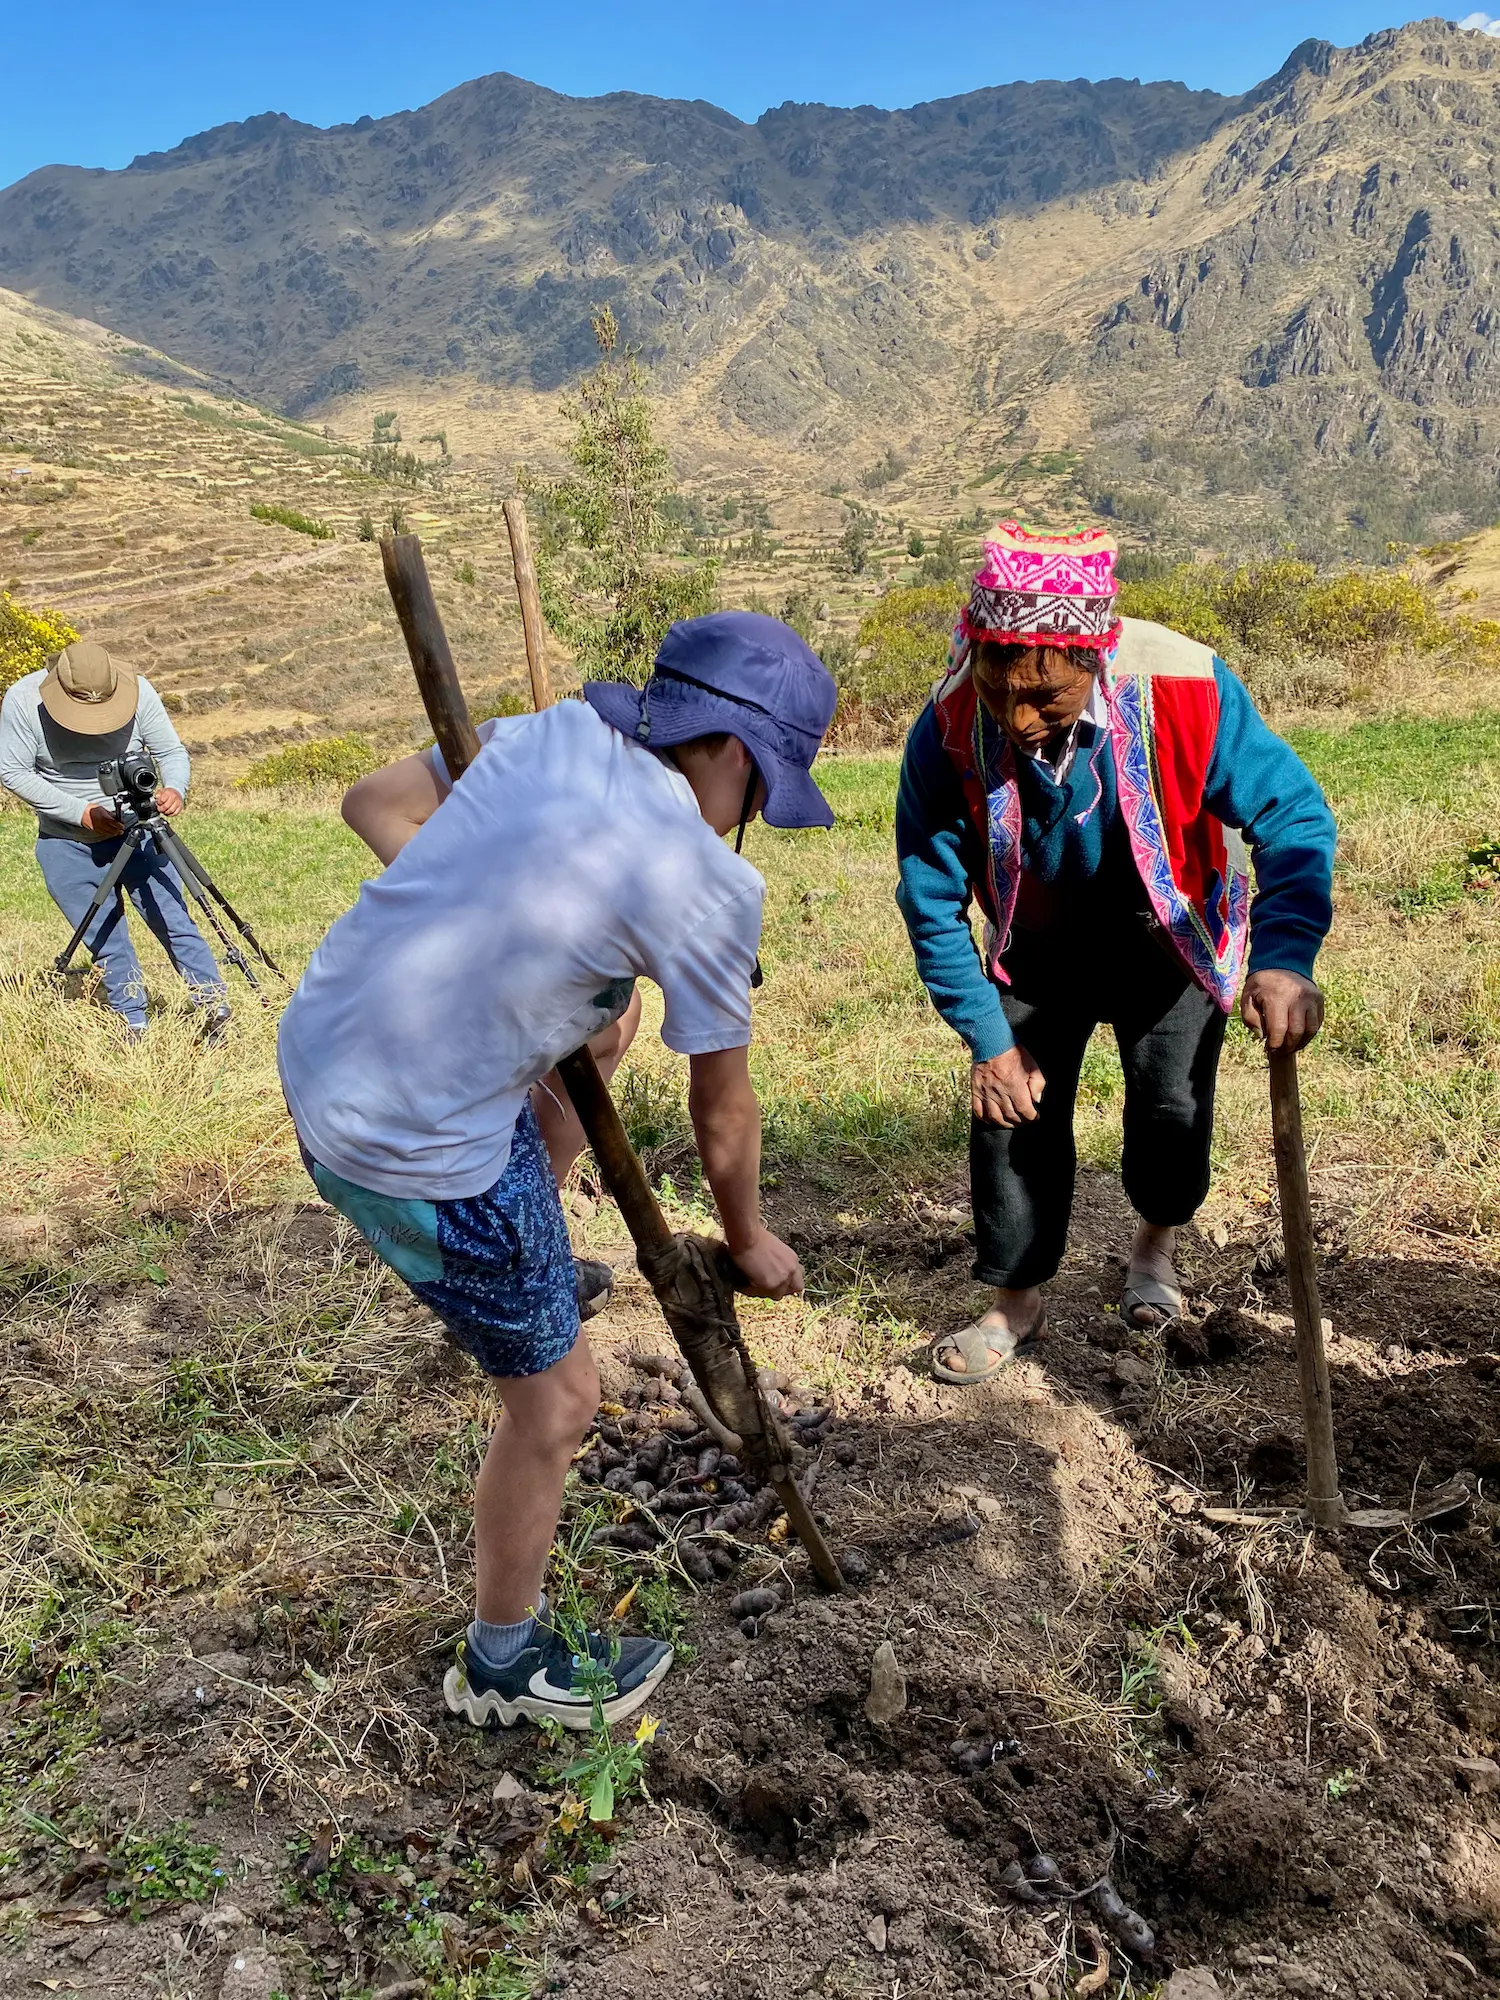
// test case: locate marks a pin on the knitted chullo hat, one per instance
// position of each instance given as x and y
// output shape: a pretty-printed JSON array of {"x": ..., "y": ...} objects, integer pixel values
[{"x": 1034, "y": 589}]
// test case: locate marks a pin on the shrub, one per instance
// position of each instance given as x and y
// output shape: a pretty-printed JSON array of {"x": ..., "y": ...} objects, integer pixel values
[
  {"x": 1301, "y": 636},
  {"x": 945, "y": 559},
  {"x": 288, "y": 517},
  {"x": 507, "y": 702},
  {"x": 1370, "y": 612},
  {"x": 856, "y": 542},
  {"x": 802, "y": 610},
  {"x": 899, "y": 651},
  {"x": 366, "y": 528},
  {"x": 27, "y": 638},
  {"x": 1182, "y": 600},
  {"x": 883, "y": 471},
  {"x": 465, "y": 572},
  {"x": 332, "y": 760}
]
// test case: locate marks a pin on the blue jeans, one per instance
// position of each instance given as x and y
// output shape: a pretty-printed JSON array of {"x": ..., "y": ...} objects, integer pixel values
[{"x": 73, "y": 870}]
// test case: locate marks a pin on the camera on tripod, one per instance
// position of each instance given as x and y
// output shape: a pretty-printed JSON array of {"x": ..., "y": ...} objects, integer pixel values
[{"x": 131, "y": 783}]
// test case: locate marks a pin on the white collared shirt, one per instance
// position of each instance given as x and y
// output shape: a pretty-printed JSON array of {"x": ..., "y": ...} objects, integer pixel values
[{"x": 1096, "y": 715}]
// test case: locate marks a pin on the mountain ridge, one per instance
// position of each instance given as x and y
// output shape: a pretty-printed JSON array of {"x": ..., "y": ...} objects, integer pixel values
[{"x": 1267, "y": 311}]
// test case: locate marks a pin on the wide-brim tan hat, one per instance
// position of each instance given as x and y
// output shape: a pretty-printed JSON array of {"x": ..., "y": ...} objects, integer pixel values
[{"x": 88, "y": 692}]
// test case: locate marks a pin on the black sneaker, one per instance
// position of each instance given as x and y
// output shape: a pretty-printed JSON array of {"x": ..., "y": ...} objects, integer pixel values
[
  {"x": 214, "y": 1028},
  {"x": 542, "y": 1681},
  {"x": 593, "y": 1282}
]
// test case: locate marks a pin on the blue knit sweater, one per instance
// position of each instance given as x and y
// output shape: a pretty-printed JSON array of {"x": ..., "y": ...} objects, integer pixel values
[{"x": 1081, "y": 857}]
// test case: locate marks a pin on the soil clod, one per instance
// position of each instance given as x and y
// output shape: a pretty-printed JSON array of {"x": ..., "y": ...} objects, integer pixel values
[{"x": 887, "y": 1697}]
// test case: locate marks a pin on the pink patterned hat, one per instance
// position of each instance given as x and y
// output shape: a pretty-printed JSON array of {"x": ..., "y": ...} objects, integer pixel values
[{"x": 1035, "y": 589}]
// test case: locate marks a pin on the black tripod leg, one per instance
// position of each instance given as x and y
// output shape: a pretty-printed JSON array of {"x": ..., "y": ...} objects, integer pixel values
[
  {"x": 188, "y": 866},
  {"x": 193, "y": 887},
  {"x": 108, "y": 887}
]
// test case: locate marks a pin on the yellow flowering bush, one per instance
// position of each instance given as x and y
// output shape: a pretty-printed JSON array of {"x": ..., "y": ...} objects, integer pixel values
[{"x": 27, "y": 639}]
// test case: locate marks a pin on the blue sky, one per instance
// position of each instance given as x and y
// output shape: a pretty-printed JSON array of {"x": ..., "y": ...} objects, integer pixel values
[{"x": 112, "y": 78}]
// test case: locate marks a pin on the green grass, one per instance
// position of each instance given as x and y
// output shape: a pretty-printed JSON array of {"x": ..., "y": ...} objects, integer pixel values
[
  {"x": 858, "y": 1077},
  {"x": 1446, "y": 762},
  {"x": 289, "y": 517},
  {"x": 295, "y": 437}
]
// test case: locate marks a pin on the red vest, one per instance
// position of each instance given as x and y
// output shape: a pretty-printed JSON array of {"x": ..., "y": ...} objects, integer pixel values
[{"x": 1163, "y": 704}]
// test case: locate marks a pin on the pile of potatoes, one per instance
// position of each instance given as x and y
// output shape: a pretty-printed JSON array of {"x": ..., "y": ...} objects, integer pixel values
[{"x": 684, "y": 1486}]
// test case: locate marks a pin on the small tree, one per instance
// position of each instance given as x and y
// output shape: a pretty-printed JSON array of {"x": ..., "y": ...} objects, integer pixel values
[
  {"x": 27, "y": 639},
  {"x": 612, "y": 599},
  {"x": 942, "y": 562},
  {"x": 856, "y": 541}
]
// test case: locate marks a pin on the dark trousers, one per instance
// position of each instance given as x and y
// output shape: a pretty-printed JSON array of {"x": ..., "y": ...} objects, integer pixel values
[{"x": 1169, "y": 1034}]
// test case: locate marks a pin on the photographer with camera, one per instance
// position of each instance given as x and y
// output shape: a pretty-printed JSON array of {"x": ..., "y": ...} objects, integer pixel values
[{"x": 58, "y": 728}]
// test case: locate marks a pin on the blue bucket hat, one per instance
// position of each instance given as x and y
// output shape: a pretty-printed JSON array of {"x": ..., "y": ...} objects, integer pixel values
[{"x": 750, "y": 676}]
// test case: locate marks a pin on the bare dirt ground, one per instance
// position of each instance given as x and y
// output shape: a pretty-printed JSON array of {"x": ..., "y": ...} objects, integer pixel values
[{"x": 1275, "y": 1745}]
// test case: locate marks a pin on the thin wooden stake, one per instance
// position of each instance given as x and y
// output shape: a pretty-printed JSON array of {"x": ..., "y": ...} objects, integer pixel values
[
  {"x": 1325, "y": 1503},
  {"x": 531, "y": 602}
]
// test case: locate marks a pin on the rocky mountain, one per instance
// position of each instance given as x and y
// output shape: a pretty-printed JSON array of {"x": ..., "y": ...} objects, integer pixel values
[{"x": 1265, "y": 317}]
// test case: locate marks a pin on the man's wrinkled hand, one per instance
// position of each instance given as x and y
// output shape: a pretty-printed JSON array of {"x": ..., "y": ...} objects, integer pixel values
[
  {"x": 1007, "y": 1089},
  {"x": 169, "y": 802},
  {"x": 1282, "y": 1008},
  {"x": 769, "y": 1268},
  {"x": 99, "y": 819}
]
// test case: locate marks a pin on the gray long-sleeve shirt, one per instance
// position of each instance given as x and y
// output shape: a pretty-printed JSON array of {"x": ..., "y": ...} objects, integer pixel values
[{"x": 56, "y": 770}]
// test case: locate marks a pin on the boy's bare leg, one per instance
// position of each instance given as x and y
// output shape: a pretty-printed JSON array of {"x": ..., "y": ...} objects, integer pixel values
[
  {"x": 561, "y": 1130},
  {"x": 518, "y": 1495}
]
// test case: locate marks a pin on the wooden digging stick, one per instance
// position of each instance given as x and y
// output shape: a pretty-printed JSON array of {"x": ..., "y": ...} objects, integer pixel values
[
  {"x": 1325, "y": 1506},
  {"x": 431, "y": 660},
  {"x": 448, "y": 712},
  {"x": 1325, "y": 1503}
]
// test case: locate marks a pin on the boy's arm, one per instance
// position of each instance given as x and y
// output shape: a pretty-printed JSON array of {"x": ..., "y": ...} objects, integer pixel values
[
  {"x": 389, "y": 806},
  {"x": 726, "y": 1122}
]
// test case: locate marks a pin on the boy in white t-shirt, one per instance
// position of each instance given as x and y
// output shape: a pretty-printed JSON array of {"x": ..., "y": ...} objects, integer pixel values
[{"x": 581, "y": 850}]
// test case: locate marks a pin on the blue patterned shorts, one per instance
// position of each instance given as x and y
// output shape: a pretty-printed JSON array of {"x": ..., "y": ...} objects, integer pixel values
[{"x": 497, "y": 1269}]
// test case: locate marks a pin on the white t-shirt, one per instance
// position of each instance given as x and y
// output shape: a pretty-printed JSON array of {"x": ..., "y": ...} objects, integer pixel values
[{"x": 567, "y": 861}]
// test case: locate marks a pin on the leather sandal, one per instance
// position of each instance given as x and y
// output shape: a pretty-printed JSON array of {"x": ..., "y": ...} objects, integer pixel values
[
  {"x": 1150, "y": 1295},
  {"x": 978, "y": 1344}
]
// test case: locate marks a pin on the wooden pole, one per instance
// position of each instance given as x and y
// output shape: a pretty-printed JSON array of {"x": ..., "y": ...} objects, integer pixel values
[
  {"x": 431, "y": 659},
  {"x": 1325, "y": 1502},
  {"x": 531, "y": 603}
]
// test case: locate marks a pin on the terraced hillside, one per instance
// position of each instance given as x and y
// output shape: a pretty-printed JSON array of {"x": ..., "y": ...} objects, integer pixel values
[
  {"x": 1243, "y": 320},
  {"x": 126, "y": 485}
]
